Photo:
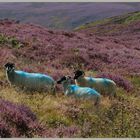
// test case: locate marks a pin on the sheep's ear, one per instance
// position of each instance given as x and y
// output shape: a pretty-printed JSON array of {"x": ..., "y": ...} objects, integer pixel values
[
  {"x": 58, "y": 81},
  {"x": 13, "y": 68},
  {"x": 13, "y": 65},
  {"x": 68, "y": 76},
  {"x": 81, "y": 71},
  {"x": 4, "y": 65},
  {"x": 62, "y": 79}
]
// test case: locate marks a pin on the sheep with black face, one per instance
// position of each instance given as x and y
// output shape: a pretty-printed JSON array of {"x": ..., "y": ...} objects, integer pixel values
[
  {"x": 77, "y": 91},
  {"x": 102, "y": 85},
  {"x": 30, "y": 81}
]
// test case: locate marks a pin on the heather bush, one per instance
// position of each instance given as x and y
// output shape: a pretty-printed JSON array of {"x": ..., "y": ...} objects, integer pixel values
[
  {"x": 119, "y": 80},
  {"x": 75, "y": 60},
  {"x": 17, "y": 121}
]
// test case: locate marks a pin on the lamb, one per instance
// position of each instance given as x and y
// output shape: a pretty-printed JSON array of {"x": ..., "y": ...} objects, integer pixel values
[
  {"x": 77, "y": 91},
  {"x": 102, "y": 85},
  {"x": 29, "y": 81}
]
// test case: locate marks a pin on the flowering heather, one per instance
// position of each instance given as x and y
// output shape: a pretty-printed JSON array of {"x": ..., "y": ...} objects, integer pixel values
[
  {"x": 119, "y": 80},
  {"x": 17, "y": 121},
  {"x": 63, "y": 49}
]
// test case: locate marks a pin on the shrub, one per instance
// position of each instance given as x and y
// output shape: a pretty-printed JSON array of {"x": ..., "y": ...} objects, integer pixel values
[
  {"x": 119, "y": 80},
  {"x": 74, "y": 60},
  {"x": 11, "y": 41},
  {"x": 17, "y": 121},
  {"x": 3, "y": 39}
]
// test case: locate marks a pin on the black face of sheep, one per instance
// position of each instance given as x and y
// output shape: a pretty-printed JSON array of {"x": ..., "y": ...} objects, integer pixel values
[
  {"x": 78, "y": 73},
  {"x": 9, "y": 67},
  {"x": 64, "y": 78}
]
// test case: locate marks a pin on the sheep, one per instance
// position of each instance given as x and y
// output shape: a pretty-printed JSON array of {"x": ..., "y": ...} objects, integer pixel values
[
  {"x": 102, "y": 85},
  {"x": 77, "y": 91},
  {"x": 30, "y": 81}
]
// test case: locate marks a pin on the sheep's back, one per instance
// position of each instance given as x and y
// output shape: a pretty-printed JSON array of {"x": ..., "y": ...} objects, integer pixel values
[
  {"x": 34, "y": 80},
  {"x": 34, "y": 75},
  {"x": 99, "y": 82},
  {"x": 84, "y": 91}
]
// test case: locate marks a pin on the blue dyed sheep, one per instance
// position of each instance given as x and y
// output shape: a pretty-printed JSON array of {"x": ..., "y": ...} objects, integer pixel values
[
  {"x": 30, "y": 81},
  {"x": 80, "y": 92},
  {"x": 102, "y": 85}
]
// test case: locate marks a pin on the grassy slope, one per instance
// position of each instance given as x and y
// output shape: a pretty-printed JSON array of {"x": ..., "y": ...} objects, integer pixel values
[
  {"x": 114, "y": 118},
  {"x": 121, "y": 20}
]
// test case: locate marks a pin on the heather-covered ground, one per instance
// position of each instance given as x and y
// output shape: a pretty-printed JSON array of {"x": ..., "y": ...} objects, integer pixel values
[
  {"x": 32, "y": 44},
  {"x": 116, "y": 56}
]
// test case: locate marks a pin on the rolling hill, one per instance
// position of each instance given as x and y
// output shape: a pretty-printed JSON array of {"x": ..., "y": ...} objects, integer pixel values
[
  {"x": 127, "y": 23},
  {"x": 63, "y": 15}
]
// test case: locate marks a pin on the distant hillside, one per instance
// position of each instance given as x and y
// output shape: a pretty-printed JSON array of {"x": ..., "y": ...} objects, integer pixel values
[
  {"x": 127, "y": 23},
  {"x": 64, "y": 15}
]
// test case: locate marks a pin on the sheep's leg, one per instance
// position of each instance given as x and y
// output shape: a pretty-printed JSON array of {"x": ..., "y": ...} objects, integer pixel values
[
  {"x": 113, "y": 92},
  {"x": 114, "y": 89},
  {"x": 115, "y": 95},
  {"x": 10, "y": 84},
  {"x": 111, "y": 96},
  {"x": 97, "y": 101},
  {"x": 47, "y": 89},
  {"x": 50, "y": 89}
]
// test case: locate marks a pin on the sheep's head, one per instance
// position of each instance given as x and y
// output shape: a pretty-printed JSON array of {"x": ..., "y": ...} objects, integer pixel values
[
  {"x": 78, "y": 74},
  {"x": 64, "y": 79},
  {"x": 9, "y": 67}
]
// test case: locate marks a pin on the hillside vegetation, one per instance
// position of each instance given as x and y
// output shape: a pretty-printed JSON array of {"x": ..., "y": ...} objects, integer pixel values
[
  {"x": 113, "y": 24},
  {"x": 37, "y": 49}
]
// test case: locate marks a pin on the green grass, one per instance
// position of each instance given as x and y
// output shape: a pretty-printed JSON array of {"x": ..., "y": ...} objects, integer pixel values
[
  {"x": 11, "y": 41},
  {"x": 98, "y": 22},
  {"x": 123, "y": 20}
]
